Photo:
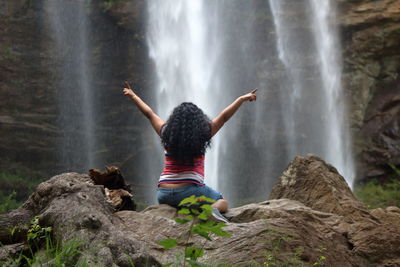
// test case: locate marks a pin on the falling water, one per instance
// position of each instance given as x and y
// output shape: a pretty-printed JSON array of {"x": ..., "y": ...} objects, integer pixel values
[
  {"x": 328, "y": 134},
  {"x": 338, "y": 147},
  {"x": 182, "y": 39},
  {"x": 210, "y": 52},
  {"x": 70, "y": 32}
]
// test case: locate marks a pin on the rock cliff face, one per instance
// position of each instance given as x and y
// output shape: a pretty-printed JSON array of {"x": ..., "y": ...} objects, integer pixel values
[
  {"x": 311, "y": 216},
  {"x": 27, "y": 117},
  {"x": 29, "y": 113},
  {"x": 371, "y": 43}
]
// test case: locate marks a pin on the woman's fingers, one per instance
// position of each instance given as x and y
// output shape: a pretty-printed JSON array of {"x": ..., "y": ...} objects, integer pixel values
[
  {"x": 127, "y": 91},
  {"x": 128, "y": 85},
  {"x": 254, "y": 91}
]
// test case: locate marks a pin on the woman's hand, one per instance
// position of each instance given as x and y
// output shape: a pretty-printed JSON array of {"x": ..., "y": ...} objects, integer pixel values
[
  {"x": 228, "y": 112},
  {"x": 250, "y": 96},
  {"x": 128, "y": 91}
]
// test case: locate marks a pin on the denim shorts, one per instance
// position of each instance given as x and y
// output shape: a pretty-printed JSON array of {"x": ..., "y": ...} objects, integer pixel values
[{"x": 173, "y": 196}]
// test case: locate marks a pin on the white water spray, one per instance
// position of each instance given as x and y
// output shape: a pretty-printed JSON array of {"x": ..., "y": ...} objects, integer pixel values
[
  {"x": 70, "y": 32},
  {"x": 181, "y": 39},
  {"x": 332, "y": 127},
  {"x": 338, "y": 147},
  {"x": 301, "y": 106}
]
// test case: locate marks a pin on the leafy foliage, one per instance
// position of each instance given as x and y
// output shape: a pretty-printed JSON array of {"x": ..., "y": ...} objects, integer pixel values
[
  {"x": 36, "y": 233},
  {"x": 52, "y": 255},
  {"x": 15, "y": 189},
  {"x": 379, "y": 195},
  {"x": 321, "y": 259},
  {"x": 196, "y": 211},
  {"x": 9, "y": 202}
]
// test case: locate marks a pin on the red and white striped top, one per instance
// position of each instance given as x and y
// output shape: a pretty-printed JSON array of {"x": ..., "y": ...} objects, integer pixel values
[{"x": 183, "y": 172}]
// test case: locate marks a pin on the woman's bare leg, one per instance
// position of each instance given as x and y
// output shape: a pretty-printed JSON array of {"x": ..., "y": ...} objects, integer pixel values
[{"x": 221, "y": 205}]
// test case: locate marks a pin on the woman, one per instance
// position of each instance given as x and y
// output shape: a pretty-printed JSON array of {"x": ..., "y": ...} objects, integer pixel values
[{"x": 185, "y": 137}]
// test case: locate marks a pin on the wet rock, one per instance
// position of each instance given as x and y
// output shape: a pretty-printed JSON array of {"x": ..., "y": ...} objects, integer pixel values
[
  {"x": 31, "y": 134},
  {"x": 311, "y": 214},
  {"x": 381, "y": 133},
  {"x": 12, "y": 251},
  {"x": 128, "y": 14},
  {"x": 371, "y": 38}
]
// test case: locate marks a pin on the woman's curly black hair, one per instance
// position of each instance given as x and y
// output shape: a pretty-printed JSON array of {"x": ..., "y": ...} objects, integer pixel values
[{"x": 187, "y": 133}]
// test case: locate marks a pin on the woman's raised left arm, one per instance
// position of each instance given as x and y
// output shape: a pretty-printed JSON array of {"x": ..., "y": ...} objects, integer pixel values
[{"x": 227, "y": 113}]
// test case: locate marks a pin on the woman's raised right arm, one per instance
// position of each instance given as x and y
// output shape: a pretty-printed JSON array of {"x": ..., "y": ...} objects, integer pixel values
[{"x": 154, "y": 119}]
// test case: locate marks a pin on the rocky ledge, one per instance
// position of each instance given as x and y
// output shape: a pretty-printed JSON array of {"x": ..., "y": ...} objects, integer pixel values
[{"x": 311, "y": 218}]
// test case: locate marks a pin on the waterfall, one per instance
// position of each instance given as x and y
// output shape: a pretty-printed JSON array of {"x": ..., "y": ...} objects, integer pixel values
[
  {"x": 338, "y": 147},
  {"x": 328, "y": 134},
  {"x": 182, "y": 40},
  {"x": 210, "y": 52},
  {"x": 70, "y": 30}
]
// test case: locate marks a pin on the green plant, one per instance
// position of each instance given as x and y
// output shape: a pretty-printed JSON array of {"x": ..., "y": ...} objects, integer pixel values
[
  {"x": 66, "y": 254},
  {"x": 275, "y": 257},
  {"x": 9, "y": 202},
  {"x": 196, "y": 211},
  {"x": 395, "y": 169},
  {"x": 379, "y": 195},
  {"x": 36, "y": 234},
  {"x": 279, "y": 250},
  {"x": 321, "y": 258},
  {"x": 43, "y": 252},
  {"x": 16, "y": 188}
]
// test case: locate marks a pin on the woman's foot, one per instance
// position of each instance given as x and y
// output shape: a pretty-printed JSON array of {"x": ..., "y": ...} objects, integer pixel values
[
  {"x": 221, "y": 205},
  {"x": 216, "y": 215}
]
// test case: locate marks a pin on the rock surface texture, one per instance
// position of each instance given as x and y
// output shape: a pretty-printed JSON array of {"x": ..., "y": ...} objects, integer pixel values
[
  {"x": 371, "y": 44},
  {"x": 311, "y": 217},
  {"x": 30, "y": 114}
]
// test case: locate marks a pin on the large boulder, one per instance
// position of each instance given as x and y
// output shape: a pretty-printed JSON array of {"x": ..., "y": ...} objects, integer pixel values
[
  {"x": 77, "y": 209},
  {"x": 284, "y": 230},
  {"x": 311, "y": 218},
  {"x": 318, "y": 185}
]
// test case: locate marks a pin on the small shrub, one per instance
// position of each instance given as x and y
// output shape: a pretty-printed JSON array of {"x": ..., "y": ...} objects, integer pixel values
[
  {"x": 37, "y": 234},
  {"x": 196, "y": 211},
  {"x": 321, "y": 258},
  {"x": 42, "y": 251}
]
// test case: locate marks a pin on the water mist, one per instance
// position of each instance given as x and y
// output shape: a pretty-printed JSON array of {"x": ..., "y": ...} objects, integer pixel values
[
  {"x": 210, "y": 52},
  {"x": 70, "y": 31}
]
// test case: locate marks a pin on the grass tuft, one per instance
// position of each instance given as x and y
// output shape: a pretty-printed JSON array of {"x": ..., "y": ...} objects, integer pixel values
[{"x": 379, "y": 195}]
